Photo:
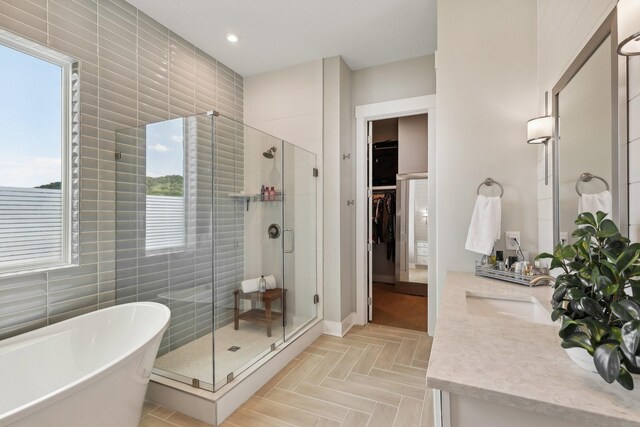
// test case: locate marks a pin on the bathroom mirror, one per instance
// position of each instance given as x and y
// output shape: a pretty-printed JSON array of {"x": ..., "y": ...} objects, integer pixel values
[
  {"x": 587, "y": 110},
  {"x": 412, "y": 240}
]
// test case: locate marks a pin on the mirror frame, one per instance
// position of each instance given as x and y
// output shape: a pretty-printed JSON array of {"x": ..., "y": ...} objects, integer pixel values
[{"x": 619, "y": 166}]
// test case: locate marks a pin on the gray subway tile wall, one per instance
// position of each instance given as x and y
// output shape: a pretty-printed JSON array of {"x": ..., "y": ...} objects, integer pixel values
[{"x": 133, "y": 71}]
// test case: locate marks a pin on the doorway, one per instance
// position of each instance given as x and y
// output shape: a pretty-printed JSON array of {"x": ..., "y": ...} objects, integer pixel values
[
  {"x": 397, "y": 164},
  {"x": 366, "y": 114}
]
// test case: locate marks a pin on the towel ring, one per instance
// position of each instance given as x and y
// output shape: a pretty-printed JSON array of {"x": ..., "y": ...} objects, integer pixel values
[
  {"x": 586, "y": 177},
  {"x": 489, "y": 182}
]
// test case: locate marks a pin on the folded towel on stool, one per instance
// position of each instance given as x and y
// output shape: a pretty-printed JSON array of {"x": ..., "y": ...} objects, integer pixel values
[{"x": 253, "y": 285}]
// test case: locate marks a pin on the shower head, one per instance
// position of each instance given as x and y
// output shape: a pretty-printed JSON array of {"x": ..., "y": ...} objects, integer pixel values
[{"x": 270, "y": 152}]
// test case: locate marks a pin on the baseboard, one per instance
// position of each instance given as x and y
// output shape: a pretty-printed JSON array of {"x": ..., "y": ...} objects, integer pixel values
[
  {"x": 383, "y": 279},
  {"x": 332, "y": 328},
  {"x": 339, "y": 329}
]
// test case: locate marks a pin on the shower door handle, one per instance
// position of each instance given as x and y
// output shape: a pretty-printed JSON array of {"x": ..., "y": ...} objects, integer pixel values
[{"x": 293, "y": 240}]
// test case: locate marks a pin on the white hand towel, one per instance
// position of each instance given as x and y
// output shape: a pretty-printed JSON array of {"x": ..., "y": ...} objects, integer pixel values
[
  {"x": 271, "y": 281},
  {"x": 484, "y": 228},
  {"x": 253, "y": 285},
  {"x": 250, "y": 285},
  {"x": 596, "y": 202}
]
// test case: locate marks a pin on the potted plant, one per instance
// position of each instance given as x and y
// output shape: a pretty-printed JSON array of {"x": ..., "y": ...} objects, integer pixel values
[{"x": 597, "y": 297}]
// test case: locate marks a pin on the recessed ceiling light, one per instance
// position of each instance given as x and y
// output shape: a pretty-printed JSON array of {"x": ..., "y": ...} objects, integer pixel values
[{"x": 232, "y": 37}]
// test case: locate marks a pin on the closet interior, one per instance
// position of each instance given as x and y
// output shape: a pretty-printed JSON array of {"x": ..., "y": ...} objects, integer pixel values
[{"x": 398, "y": 189}]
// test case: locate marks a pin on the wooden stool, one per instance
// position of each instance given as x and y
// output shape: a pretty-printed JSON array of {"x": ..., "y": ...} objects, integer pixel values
[{"x": 258, "y": 315}]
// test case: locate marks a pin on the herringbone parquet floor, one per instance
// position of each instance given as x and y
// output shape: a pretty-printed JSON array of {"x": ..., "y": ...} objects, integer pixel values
[{"x": 374, "y": 376}]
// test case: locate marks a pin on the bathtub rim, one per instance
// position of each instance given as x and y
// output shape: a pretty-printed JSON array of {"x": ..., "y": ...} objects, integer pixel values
[{"x": 93, "y": 376}]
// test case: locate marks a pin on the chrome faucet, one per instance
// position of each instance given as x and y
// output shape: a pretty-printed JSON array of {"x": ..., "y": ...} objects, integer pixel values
[{"x": 546, "y": 277}]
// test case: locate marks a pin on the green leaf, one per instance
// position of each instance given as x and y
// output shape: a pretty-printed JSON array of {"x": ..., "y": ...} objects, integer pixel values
[
  {"x": 555, "y": 314},
  {"x": 616, "y": 333},
  {"x": 556, "y": 263},
  {"x": 544, "y": 255},
  {"x": 625, "y": 379},
  {"x": 575, "y": 294},
  {"x": 620, "y": 312},
  {"x": 568, "y": 252},
  {"x": 607, "y": 361},
  {"x": 568, "y": 327},
  {"x": 604, "y": 285},
  {"x": 598, "y": 330},
  {"x": 577, "y": 339},
  {"x": 631, "y": 335},
  {"x": 631, "y": 361},
  {"x": 607, "y": 228},
  {"x": 626, "y": 259},
  {"x": 586, "y": 218},
  {"x": 632, "y": 307},
  {"x": 600, "y": 216},
  {"x": 583, "y": 232},
  {"x": 559, "y": 292},
  {"x": 592, "y": 308}
]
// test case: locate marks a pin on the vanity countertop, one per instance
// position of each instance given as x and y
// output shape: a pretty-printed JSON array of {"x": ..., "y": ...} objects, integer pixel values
[{"x": 520, "y": 364}]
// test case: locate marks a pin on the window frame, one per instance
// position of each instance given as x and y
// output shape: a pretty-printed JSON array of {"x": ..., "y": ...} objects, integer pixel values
[
  {"x": 186, "y": 243},
  {"x": 68, "y": 66}
]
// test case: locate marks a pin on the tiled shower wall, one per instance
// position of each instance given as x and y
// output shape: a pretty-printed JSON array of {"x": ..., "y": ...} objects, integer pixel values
[{"x": 133, "y": 71}]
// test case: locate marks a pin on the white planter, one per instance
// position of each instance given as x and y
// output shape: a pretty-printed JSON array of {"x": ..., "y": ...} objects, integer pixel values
[{"x": 582, "y": 358}]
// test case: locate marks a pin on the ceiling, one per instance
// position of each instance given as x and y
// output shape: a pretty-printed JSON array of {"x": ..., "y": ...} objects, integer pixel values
[{"x": 277, "y": 33}]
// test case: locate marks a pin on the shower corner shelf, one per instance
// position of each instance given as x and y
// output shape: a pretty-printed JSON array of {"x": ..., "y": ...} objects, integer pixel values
[{"x": 256, "y": 197}]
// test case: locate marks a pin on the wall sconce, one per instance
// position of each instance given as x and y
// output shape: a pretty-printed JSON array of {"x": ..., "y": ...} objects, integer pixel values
[
  {"x": 540, "y": 131},
  {"x": 629, "y": 27}
]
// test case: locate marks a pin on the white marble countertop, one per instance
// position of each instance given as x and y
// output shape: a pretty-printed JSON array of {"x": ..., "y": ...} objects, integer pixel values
[{"x": 516, "y": 363}]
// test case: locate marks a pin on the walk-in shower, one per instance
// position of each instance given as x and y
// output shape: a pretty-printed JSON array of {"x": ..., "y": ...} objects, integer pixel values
[{"x": 191, "y": 228}]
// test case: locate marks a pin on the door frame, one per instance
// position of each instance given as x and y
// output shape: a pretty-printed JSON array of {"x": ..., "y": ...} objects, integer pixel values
[{"x": 384, "y": 110}]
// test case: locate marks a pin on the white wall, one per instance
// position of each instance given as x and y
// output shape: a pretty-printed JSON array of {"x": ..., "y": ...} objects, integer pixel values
[
  {"x": 395, "y": 80},
  {"x": 347, "y": 191},
  {"x": 339, "y": 220},
  {"x": 287, "y": 103},
  {"x": 564, "y": 27},
  {"x": 487, "y": 87}
]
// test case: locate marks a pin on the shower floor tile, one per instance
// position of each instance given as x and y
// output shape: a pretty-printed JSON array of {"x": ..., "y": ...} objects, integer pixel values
[{"x": 195, "y": 360}]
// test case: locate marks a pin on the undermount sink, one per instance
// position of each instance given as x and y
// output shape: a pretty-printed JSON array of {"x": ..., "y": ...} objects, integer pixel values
[{"x": 524, "y": 308}]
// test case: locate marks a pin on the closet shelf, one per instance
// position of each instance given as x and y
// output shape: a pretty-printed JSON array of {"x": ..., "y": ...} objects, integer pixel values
[{"x": 383, "y": 187}]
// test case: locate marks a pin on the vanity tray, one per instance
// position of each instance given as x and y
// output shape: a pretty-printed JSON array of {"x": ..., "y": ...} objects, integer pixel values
[{"x": 507, "y": 276}]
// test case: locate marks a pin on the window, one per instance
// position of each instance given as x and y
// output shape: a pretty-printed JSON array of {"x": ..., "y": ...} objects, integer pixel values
[
  {"x": 37, "y": 208},
  {"x": 165, "y": 198}
]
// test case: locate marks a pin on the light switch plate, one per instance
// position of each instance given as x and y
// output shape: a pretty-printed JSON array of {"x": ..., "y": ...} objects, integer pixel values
[{"x": 510, "y": 240}]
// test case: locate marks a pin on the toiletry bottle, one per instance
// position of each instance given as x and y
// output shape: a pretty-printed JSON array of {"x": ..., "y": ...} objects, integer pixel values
[
  {"x": 262, "y": 285},
  {"x": 492, "y": 257},
  {"x": 262, "y": 191},
  {"x": 272, "y": 194}
]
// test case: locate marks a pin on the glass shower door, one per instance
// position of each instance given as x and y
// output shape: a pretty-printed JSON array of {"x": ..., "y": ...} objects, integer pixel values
[
  {"x": 164, "y": 236},
  {"x": 247, "y": 245},
  {"x": 299, "y": 237}
]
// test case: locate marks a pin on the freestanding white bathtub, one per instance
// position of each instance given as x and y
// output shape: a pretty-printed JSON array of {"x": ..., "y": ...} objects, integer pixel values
[{"x": 91, "y": 370}]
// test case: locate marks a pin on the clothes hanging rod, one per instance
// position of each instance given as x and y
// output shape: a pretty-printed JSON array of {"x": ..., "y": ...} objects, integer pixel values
[{"x": 383, "y": 187}]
